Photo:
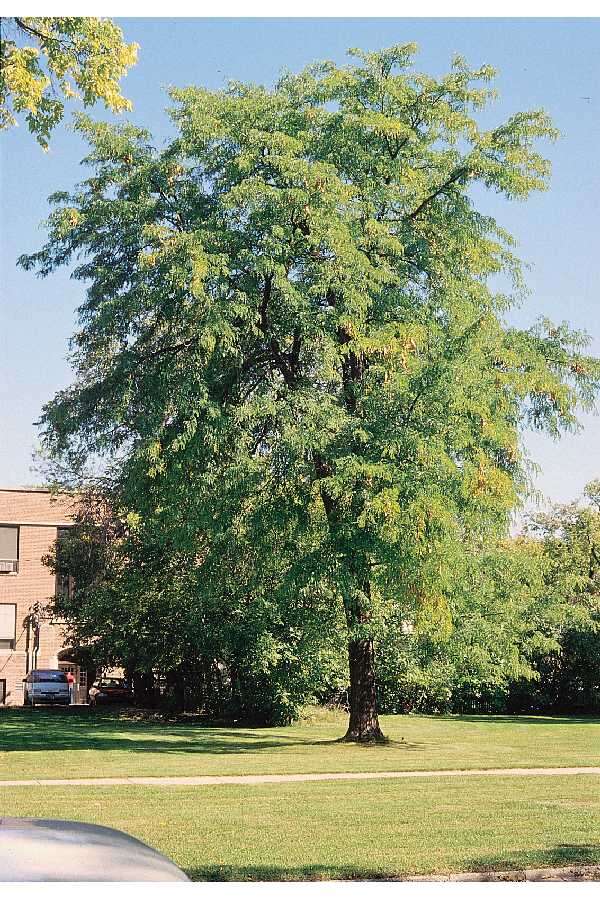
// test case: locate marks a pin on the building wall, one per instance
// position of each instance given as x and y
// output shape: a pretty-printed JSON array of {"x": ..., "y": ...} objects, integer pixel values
[{"x": 38, "y": 514}]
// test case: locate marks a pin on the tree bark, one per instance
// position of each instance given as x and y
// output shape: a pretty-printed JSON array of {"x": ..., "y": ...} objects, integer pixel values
[
  {"x": 143, "y": 688},
  {"x": 364, "y": 721},
  {"x": 176, "y": 693}
]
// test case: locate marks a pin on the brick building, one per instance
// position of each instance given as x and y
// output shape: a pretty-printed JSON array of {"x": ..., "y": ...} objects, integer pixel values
[{"x": 30, "y": 520}]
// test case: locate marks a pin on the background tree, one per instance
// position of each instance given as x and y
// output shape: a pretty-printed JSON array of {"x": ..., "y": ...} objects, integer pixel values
[
  {"x": 521, "y": 631},
  {"x": 569, "y": 672},
  {"x": 466, "y": 657},
  {"x": 45, "y": 59},
  {"x": 289, "y": 329}
]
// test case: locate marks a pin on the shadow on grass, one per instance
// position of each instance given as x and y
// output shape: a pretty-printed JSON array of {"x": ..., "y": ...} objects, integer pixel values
[
  {"x": 554, "y": 857},
  {"x": 280, "y": 873},
  {"x": 84, "y": 728},
  {"x": 542, "y": 719},
  {"x": 561, "y": 855}
]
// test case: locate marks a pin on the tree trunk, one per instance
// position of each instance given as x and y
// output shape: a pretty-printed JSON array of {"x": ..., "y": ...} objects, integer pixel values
[
  {"x": 143, "y": 688},
  {"x": 174, "y": 701},
  {"x": 364, "y": 722}
]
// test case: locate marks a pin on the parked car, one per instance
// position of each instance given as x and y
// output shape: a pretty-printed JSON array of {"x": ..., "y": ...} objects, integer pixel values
[
  {"x": 110, "y": 690},
  {"x": 46, "y": 686},
  {"x": 59, "y": 850}
]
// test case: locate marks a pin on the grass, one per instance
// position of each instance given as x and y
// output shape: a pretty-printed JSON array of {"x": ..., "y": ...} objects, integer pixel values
[
  {"x": 82, "y": 742},
  {"x": 369, "y": 830}
]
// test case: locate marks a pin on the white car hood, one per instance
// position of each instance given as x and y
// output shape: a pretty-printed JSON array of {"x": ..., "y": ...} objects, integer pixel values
[{"x": 60, "y": 850}]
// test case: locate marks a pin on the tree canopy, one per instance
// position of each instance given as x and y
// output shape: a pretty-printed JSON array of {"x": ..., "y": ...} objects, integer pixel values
[
  {"x": 290, "y": 347},
  {"x": 45, "y": 59},
  {"x": 569, "y": 675}
]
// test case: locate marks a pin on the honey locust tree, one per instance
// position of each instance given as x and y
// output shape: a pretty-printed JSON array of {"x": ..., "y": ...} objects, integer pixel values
[
  {"x": 46, "y": 58},
  {"x": 289, "y": 321}
]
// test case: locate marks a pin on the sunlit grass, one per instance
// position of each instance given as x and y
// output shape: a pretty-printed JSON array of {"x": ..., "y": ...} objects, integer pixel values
[
  {"x": 81, "y": 742},
  {"x": 370, "y": 829}
]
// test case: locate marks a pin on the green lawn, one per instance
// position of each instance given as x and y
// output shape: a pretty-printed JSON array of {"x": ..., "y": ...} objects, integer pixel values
[
  {"x": 82, "y": 742},
  {"x": 371, "y": 829}
]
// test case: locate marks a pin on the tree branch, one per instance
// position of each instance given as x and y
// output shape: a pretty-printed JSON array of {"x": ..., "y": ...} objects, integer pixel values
[
  {"x": 283, "y": 360},
  {"x": 171, "y": 348},
  {"x": 459, "y": 173}
]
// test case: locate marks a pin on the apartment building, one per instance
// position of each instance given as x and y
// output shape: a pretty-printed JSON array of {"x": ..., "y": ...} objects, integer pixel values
[{"x": 30, "y": 521}]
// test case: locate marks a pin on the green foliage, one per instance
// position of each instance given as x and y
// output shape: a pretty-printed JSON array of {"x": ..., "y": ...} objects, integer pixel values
[
  {"x": 76, "y": 58},
  {"x": 290, "y": 352},
  {"x": 499, "y": 615},
  {"x": 569, "y": 675},
  {"x": 524, "y": 629},
  {"x": 144, "y": 602}
]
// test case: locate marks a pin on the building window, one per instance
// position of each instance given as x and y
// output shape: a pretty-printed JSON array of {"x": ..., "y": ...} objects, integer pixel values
[
  {"x": 8, "y": 625},
  {"x": 65, "y": 584},
  {"x": 9, "y": 549},
  {"x": 2, "y": 691}
]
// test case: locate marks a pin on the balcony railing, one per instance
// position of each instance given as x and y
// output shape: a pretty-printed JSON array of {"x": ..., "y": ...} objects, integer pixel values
[{"x": 9, "y": 566}]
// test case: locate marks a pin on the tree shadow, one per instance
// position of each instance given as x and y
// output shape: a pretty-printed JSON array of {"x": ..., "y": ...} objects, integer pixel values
[
  {"x": 511, "y": 867},
  {"x": 287, "y": 873},
  {"x": 81, "y": 728},
  {"x": 526, "y": 719},
  {"x": 558, "y": 856}
]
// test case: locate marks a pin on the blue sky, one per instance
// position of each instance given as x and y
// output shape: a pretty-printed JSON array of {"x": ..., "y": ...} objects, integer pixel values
[{"x": 549, "y": 63}]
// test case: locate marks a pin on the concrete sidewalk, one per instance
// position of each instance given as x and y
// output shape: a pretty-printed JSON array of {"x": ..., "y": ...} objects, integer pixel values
[{"x": 192, "y": 780}]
